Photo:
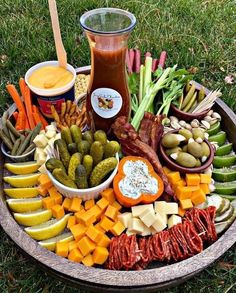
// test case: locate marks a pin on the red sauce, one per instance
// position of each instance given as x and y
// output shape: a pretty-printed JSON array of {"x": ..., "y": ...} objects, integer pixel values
[{"x": 108, "y": 71}]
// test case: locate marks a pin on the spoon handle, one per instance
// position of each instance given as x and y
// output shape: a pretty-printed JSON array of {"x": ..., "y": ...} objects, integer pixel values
[{"x": 61, "y": 52}]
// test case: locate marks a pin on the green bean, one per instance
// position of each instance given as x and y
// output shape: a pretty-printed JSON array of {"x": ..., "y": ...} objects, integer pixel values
[
  {"x": 29, "y": 148},
  {"x": 188, "y": 96},
  {"x": 16, "y": 146},
  {"x": 6, "y": 140},
  {"x": 12, "y": 129}
]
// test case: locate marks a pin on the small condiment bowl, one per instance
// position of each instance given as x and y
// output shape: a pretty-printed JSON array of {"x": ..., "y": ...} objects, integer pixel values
[
  {"x": 176, "y": 167},
  {"x": 87, "y": 193},
  {"x": 22, "y": 158},
  {"x": 47, "y": 97},
  {"x": 186, "y": 116}
]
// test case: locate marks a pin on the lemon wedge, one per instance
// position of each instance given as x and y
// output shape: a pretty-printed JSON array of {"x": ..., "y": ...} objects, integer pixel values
[
  {"x": 21, "y": 192},
  {"x": 33, "y": 218},
  {"x": 22, "y": 180},
  {"x": 22, "y": 168},
  {"x": 49, "y": 229},
  {"x": 50, "y": 243},
  {"x": 24, "y": 205}
]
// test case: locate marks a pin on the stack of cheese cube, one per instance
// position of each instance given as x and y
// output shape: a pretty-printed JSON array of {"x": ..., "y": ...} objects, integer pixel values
[
  {"x": 44, "y": 142},
  {"x": 147, "y": 219}
]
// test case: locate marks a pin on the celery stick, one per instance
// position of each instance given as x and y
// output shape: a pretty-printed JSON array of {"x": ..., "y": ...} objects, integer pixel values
[{"x": 141, "y": 79}]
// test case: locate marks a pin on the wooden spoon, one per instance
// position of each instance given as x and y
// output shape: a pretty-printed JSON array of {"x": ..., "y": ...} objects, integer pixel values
[{"x": 61, "y": 52}]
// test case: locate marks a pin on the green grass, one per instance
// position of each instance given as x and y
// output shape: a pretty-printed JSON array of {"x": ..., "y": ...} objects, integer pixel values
[{"x": 196, "y": 33}]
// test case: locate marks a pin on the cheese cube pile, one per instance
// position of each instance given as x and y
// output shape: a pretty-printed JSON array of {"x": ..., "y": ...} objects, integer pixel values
[
  {"x": 44, "y": 142},
  {"x": 191, "y": 190},
  {"x": 147, "y": 219}
]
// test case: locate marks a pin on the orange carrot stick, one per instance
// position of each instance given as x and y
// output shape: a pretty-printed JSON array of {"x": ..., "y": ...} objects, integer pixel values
[
  {"x": 43, "y": 120},
  {"x": 16, "y": 98},
  {"x": 20, "y": 125},
  {"x": 36, "y": 116},
  {"x": 28, "y": 105},
  {"x": 22, "y": 86},
  {"x": 15, "y": 115}
]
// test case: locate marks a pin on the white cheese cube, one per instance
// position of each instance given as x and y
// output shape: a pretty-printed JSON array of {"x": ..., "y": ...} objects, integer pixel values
[
  {"x": 51, "y": 142},
  {"x": 160, "y": 207},
  {"x": 130, "y": 232},
  {"x": 43, "y": 169},
  {"x": 125, "y": 218},
  {"x": 146, "y": 231},
  {"x": 136, "y": 225},
  {"x": 41, "y": 141},
  {"x": 174, "y": 220},
  {"x": 42, "y": 131},
  {"x": 38, "y": 151},
  {"x": 51, "y": 127},
  {"x": 57, "y": 136},
  {"x": 159, "y": 223},
  {"x": 147, "y": 217},
  {"x": 164, "y": 217},
  {"x": 137, "y": 210},
  {"x": 171, "y": 208},
  {"x": 41, "y": 159},
  {"x": 50, "y": 133}
]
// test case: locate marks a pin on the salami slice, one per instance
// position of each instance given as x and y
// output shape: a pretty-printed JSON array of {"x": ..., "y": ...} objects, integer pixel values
[{"x": 176, "y": 232}]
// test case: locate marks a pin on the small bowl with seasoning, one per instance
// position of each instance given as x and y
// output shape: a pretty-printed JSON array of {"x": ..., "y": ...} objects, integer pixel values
[
  {"x": 186, "y": 151},
  {"x": 195, "y": 103},
  {"x": 51, "y": 84}
]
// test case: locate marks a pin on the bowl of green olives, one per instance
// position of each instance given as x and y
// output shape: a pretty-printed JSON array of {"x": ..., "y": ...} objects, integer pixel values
[{"x": 186, "y": 151}]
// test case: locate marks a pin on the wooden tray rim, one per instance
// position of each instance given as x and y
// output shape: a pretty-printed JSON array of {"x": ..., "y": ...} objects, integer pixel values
[{"x": 115, "y": 281}]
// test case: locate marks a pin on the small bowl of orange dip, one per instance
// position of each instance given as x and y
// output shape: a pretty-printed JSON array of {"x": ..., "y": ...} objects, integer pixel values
[{"x": 51, "y": 84}]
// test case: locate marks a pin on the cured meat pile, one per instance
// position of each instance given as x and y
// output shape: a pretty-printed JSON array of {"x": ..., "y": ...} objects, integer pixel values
[
  {"x": 175, "y": 244},
  {"x": 143, "y": 144}
]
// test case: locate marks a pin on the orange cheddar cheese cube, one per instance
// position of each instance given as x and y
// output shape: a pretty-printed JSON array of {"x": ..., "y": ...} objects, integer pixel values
[
  {"x": 86, "y": 245},
  {"x": 71, "y": 222},
  {"x": 93, "y": 233},
  {"x": 98, "y": 227},
  {"x": 96, "y": 211},
  {"x": 88, "y": 260},
  {"x": 75, "y": 204},
  {"x": 100, "y": 255},
  {"x": 72, "y": 245},
  {"x": 179, "y": 183},
  {"x": 198, "y": 197},
  {"x": 117, "y": 229},
  {"x": 89, "y": 204},
  {"x": 106, "y": 223},
  {"x": 66, "y": 203},
  {"x": 52, "y": 191},
  {"x": 48, "y": 202},
  {"x": 205, "y": 178},
  {"x": 111, "y": 212},
  {"x": 205, "y": 188},
  {"x": 62, "y": 248},
  {"x": 87, "y": 218},
  {"x": 79, "y": 214},
  {"x": 181, "y": 212},
  {"x": 192, "y": 179},
  {"x": 117, "y": 205},
  {"x": 75, "y": 255},
  {"x": 45, "y": 181},
  {"x": 183, "y": 192},
  {"x": 103, "y": 203},
  {"x": 109, "y": 195},
  {"x": 58, "y": 198},
  {"x": 42, "y": 191},
  {"x": 166, "y": 170},
  {"x": 104, "y": 241},
  {"x": 186, "y": 204},
  {"x": 78, "y": 231},
  {"x": 173, "y": 177},
  {"x": 58, "y": 211}
]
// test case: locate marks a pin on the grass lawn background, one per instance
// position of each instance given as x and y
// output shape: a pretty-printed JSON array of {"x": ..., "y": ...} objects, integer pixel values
[{"x": 197, "y": 34}]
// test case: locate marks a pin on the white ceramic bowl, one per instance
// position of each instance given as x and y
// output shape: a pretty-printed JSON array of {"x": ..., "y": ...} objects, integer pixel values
[
  {"x": 21, "y": 158},
  {"x": 50, "y": 92},
  {"x": 84, "y": 194}
]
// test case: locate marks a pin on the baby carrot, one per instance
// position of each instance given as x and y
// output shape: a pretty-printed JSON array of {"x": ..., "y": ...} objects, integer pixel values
[{"x": 28, "y": 105}]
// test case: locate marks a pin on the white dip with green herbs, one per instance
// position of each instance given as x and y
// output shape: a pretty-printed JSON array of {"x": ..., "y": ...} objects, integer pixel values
[{"x": 137, "y": 180}]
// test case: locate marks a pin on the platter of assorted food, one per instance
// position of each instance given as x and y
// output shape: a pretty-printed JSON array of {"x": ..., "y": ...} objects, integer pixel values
[{"x": 116, "y": 187}]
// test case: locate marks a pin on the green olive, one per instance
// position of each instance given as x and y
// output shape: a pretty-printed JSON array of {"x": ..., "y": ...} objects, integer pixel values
[
  {"x": 186, "y": 160},
  {"x": 205, "y": 149},
  {"x": 195, "y": 149},
  {"x": 173, "y": 150},
  {"x": 197, "y": 132},
  {"x": 198, "y": 163},
  {"x": 171, "y": 140},
  {"x": 186, "y": 133}
]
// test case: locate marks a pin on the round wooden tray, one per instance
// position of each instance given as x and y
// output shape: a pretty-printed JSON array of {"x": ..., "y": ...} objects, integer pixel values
[{"x": 95, "y": 279}]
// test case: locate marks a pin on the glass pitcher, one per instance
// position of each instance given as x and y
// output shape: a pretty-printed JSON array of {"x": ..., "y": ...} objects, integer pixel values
[{"x": 108, "y": 96}]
